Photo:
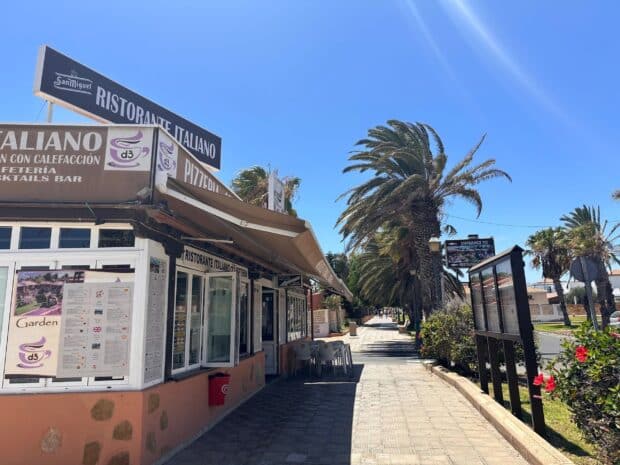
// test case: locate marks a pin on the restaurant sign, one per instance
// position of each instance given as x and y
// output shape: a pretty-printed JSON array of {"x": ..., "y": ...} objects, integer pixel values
[
  {"x": 47, "y": 163},
  {"x": 57, "y": 163},
  {"x": 69, "y": 83}
]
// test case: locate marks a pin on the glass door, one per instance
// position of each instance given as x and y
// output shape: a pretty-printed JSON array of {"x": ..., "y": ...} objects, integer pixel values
[{"x": 221, "y": 319}]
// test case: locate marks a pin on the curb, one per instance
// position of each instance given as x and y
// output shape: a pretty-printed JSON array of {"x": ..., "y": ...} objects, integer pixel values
[{"x": 530, "y": 445}]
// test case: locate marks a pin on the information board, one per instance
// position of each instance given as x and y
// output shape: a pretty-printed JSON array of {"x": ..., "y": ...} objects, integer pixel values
[
  {"x": 507, "y": 299},
  {"x": 465, "y": 253},
  {"x": 490, "y": 300},
  {"x": 155, "y": 320}
]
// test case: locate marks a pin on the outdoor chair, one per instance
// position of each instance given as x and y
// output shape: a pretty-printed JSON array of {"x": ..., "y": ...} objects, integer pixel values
[
  {"x": 343, "y": 355},
  {"x": 303, "y": 353},
  {"x": 328, "y": 355}
]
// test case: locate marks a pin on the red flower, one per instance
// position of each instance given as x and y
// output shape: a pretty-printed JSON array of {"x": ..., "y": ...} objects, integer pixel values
[
  {"x": 616, "y": 335},
  {"x": 581, "y": 353},
  {"x": 538, "y": 380},
  {"x": 550, "y": 387}
]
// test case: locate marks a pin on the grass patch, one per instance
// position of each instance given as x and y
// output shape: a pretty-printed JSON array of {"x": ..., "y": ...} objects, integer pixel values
[
  {"x": 26, "y": 308},
  {"x": 559, "y": 328},
  {"x": 562, "y": 433}
]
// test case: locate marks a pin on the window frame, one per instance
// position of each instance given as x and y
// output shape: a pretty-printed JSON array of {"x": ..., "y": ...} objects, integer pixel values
[
  {"x": 191, "y": 273},
  {"x": 245, "y": 282},
  {"x": 233, "y": 354},
  {"x": 94, "y": 258}
]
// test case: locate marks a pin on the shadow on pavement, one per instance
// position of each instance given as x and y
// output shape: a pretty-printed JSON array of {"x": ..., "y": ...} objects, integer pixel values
[
  {"x": 389, "y": 349},
  {"x": 302, "y": 420}
]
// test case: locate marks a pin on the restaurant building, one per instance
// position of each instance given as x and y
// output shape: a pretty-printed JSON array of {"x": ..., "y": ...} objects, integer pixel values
[{"x": 131, "y": 281}]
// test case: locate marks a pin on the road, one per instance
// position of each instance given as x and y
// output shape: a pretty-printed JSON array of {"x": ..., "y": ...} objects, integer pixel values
[{"x": 549, "y": 345}]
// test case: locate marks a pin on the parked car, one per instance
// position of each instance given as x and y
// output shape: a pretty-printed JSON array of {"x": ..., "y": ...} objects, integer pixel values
[{"x": 614, "y": 319}]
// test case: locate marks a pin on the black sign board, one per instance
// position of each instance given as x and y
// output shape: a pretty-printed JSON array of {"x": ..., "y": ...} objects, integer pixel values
[
  {"x": 289, "y": 280},
  {"x": 465, "y": 253},
  {"x": 69, "y": 83},
  {"x": 501, "y": 319}
]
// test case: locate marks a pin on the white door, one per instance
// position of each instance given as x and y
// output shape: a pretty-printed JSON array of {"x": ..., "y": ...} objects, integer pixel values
[{"x": 269, "y": 331}]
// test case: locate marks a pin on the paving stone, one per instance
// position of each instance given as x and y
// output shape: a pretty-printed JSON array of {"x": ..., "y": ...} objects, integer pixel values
[{"x": 393, "y": 413}]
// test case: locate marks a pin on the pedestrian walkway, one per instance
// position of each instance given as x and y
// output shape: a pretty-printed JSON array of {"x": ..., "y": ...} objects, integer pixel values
[{"x": 390, "y": 413}]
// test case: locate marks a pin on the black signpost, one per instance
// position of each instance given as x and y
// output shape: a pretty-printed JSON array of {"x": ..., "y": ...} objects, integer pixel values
[
  {"x": 64, "y": 81},
  {"x": 501, "y": 318}
]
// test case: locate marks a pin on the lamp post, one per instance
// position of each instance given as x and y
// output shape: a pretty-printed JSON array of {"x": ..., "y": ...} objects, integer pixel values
[{"x": 434, "y": 244}]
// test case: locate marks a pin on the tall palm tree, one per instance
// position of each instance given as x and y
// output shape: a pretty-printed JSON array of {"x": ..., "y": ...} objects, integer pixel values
[
  {"x": 549, "y": 250},
  {"x": 410, "y": 184},
  {"x": 616, "y": 195},
  {"x": 252, "y": 185},
  {"x": 589, "y": 237}
]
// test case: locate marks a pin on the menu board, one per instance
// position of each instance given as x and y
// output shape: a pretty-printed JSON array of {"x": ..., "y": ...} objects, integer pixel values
[
  {"x": 490, "y": 299},
  {"x": 476, "y": 301},
  {"x": 507, "y": 297},
  {"x": 155, "y": 320},
  {"x": 96, "y": 326}
]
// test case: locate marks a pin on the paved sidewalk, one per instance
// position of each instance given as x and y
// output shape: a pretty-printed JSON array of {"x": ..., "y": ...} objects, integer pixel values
[{"x": 391, "y": 413}]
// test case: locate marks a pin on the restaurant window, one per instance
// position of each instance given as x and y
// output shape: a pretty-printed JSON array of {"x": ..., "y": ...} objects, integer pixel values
[
  {"x": 221, "y": 317},
  {"x": 35, "y": 238},
  {"x": 74, "y": 238},
  {"x": 296, "y": 317},
  {"x": 244, "y": 318},
  {"x": 116, "y": 238},
  {"x": 5, "y": 237},
  {"x": 187, "y": 336}
]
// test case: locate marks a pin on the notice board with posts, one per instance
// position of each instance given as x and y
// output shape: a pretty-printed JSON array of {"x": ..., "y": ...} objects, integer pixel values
[{"x": 501, "y": 319}]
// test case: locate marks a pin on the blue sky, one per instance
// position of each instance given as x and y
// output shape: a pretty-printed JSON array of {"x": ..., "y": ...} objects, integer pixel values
[{"x": 293, "y": 85}]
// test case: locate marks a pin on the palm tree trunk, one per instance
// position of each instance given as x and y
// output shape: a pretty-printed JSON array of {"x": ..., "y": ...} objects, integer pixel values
[
  {"x": 560, "y": 292},
  {"x": 426, "y": 225}
]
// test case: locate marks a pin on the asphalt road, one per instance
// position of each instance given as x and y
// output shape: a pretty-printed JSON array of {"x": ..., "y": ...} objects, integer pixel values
[{"x": 549, "y": 345}]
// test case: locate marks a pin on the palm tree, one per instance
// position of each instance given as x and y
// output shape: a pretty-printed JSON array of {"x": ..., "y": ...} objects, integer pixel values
[
  {"x": 549, "y": 250},
  {"x": 252, "y": 184},
  {"x": 410, "y": 184},
  {"x": 616, "y": 195},
  {"x": 588, "y": 237}
]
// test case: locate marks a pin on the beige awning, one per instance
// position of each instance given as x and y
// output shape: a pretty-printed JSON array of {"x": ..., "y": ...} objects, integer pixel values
[{"x": 280, "y": 241}]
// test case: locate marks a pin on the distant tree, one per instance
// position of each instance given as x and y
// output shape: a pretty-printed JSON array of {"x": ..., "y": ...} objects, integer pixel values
[
  {"x": 549, "y": 250},
  {"x": 339, "y": 263},
  {"x": 252, "y": 185},
  {"x": 589, "y": 237},
  {"x": 616, "y": 195}
]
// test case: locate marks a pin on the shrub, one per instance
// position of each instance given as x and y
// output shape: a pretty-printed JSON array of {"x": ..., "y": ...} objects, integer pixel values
[
  {"x": 587, "y": 380},
  {"x": 447, "y": 336}
]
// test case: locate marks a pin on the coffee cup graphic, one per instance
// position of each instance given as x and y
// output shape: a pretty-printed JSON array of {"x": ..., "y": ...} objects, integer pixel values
[
  {"x": 126, "y": 152},
  {"x": 166, "y": 161},
  {"x": 32, "y": 354}
]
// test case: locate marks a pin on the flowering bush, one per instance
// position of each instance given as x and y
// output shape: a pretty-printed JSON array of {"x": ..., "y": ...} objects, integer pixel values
[{"x": 586, "y": 377}]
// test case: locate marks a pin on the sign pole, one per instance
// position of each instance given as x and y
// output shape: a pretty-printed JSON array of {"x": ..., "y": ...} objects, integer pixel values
[
  {"x": 50, "y": 111},
  {"x": 588, "y": 285}
]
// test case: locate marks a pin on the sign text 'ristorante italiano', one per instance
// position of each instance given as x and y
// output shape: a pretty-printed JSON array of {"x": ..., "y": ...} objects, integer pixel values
[{"x": 71, "y": 84}]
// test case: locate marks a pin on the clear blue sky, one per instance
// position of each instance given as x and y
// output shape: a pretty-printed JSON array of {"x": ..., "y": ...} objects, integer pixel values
[{"x": 293, "y": 84}]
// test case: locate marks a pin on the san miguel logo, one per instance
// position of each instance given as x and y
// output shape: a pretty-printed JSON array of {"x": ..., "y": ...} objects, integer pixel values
[
  {"x": 73, "y": 83},
  {"x": 32, "y": 354},
  {"x": 127, "y": 152}
]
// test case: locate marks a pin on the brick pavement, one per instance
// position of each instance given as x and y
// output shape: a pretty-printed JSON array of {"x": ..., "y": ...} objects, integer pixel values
[{"x": 391, "y": 413}]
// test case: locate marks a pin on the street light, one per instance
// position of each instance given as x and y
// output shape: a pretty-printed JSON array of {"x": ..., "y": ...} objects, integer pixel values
[{"x": 434, "y": 244}]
